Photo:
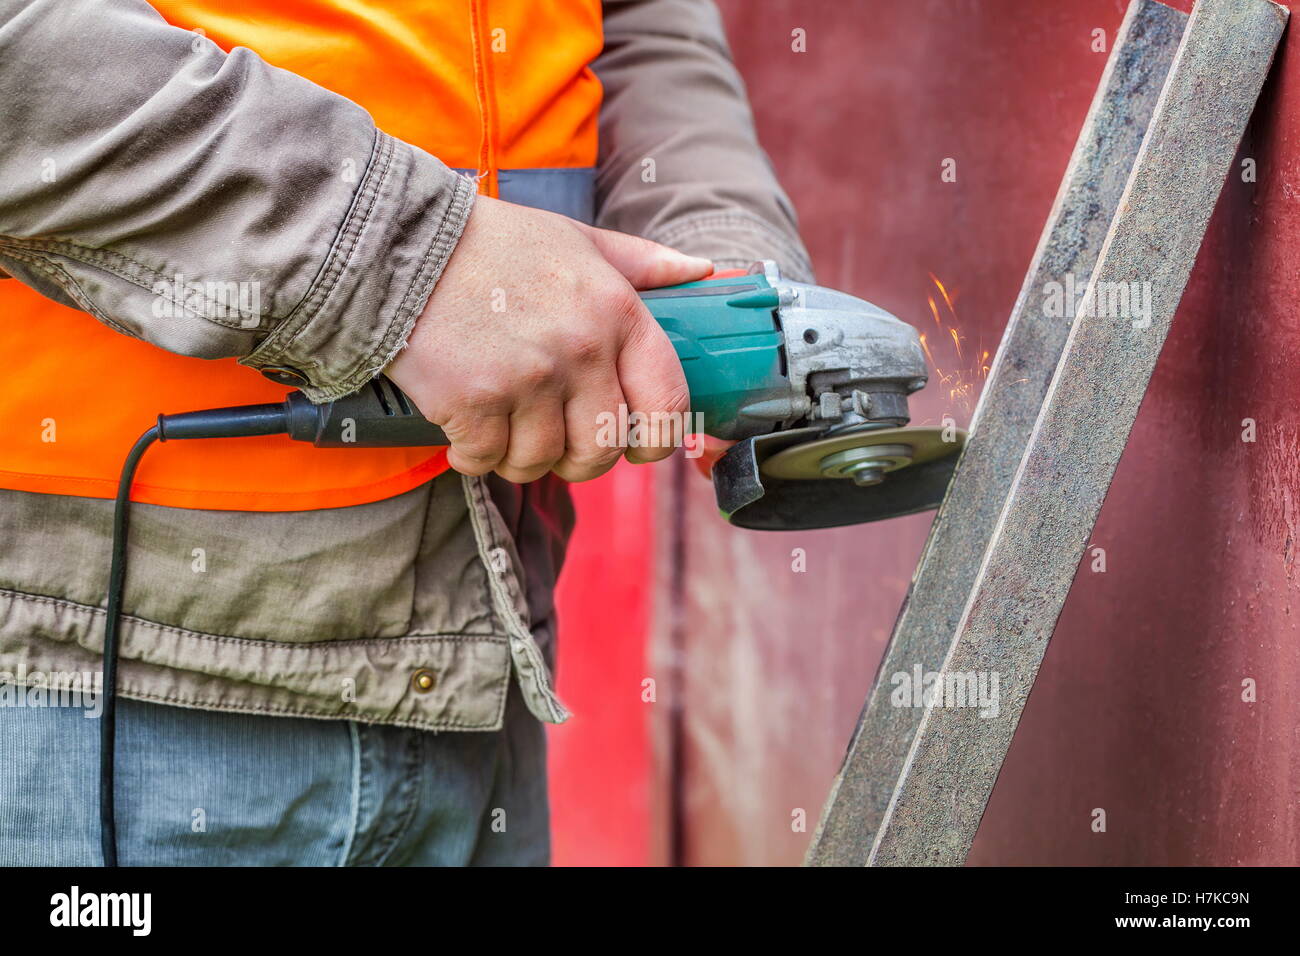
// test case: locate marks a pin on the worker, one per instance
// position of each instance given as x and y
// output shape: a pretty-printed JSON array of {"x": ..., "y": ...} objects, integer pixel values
[{"x": 332, "y": 656}]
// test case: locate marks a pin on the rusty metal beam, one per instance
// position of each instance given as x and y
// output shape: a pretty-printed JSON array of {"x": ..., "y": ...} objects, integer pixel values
[
  {"x": 1084, "y": 424},
  {"x": 1031, "y": 346}
]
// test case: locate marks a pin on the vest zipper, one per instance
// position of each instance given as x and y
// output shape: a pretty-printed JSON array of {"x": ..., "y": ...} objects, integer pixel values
[{"x": 483, "y": 92}]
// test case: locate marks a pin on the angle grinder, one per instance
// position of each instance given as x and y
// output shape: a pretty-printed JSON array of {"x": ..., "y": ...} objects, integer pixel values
[{"x": 809, "y": 383}]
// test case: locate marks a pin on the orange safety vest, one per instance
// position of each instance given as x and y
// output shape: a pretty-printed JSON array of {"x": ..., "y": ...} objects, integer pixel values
[{"x": 501, "y": 87}]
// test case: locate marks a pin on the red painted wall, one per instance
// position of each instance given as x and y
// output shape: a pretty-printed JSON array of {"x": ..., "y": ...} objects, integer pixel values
[
  {"x": 600, "y": 759},
  {"x": 1138, "y": 706}
]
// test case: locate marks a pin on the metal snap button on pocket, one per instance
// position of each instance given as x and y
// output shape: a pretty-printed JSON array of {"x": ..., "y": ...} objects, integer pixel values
[{"x": 423, "y": 680}]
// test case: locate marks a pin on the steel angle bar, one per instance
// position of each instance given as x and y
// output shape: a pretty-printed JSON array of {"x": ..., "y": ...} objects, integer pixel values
[
  {"x": 1081, "y": 431},
  {"x": 1031, "y": 345}
]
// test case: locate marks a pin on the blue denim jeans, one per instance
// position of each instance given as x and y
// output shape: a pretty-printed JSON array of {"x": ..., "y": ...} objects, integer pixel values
[{"x": 200, "y": 788}]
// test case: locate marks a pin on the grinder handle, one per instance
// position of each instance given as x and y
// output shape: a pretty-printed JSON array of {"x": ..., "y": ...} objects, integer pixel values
[
  {"x": 723, "y": 329},
  {"x": 377, "y": 416}
]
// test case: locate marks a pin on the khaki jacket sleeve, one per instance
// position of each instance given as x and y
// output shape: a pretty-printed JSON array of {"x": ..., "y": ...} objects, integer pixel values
[
  {"x": 139, "y": 162},
  {"x": 680, "y": 161}
]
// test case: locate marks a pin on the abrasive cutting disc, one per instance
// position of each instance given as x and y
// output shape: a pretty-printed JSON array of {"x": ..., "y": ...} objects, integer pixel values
[{"x": 885, "y": 449}]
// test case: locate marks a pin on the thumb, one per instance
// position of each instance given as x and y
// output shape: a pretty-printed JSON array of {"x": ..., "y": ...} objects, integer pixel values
[{"x": 646, "y": 264}]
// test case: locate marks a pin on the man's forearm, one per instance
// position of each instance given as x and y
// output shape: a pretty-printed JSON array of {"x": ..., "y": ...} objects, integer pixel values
[
  {"x": 140, "y": 160},
  {"x": 679, "y": 159}
]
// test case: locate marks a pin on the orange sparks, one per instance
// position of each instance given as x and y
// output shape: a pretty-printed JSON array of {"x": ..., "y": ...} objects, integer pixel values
[
  {"x": 960, "y": 380},
  {"x": 943, "y": 292},
  {"x": 926, "y": 347}
]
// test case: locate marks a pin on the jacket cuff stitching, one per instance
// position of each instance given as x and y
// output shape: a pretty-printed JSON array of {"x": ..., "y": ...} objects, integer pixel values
[
  {"x": 421, "y": 287},
  {"x": 279, "y": 342}
]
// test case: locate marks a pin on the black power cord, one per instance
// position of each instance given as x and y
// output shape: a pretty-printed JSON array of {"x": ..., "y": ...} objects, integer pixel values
[
  {"x": 241, "y": 421},
  {"x": 112, "y": 626}
]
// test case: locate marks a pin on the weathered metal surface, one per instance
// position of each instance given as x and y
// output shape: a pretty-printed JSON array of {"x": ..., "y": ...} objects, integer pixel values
[
  {"x": 1081, "y": 431},
  {"x": 1031, "y": 346}
]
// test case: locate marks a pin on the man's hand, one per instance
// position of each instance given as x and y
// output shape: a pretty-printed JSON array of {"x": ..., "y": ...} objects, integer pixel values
[{"x": 534, "y": 330}]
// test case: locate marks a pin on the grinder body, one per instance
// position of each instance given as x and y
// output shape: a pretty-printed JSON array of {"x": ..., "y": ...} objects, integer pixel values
[{"x": 760, "y": 355}]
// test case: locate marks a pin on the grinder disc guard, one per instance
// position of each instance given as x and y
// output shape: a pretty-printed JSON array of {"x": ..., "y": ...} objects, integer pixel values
[{"x": 806, "y": 478}]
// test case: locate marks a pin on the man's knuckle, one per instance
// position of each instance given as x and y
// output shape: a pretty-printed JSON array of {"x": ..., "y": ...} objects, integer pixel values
[
  {"x": 593, "y": 454},
  {"x": 537, "y": 371},
  {"x": 630, "y": 309},
  {"x": 670, "y": 398},
  {"x": 587, "y": 347},
  {"x": 591, "y": 458},
  {"x": 471, "y": 461},
  {"x": 458, "y": 424},
  {"x": 477, "y": 457},
  {"x": 616, "y": 303},
  {"x": 569, "y": 281},
  {"x": 677, "y": 398},
  {"x": 531, "y": 462},
  {"x": 456, "y": 427},
  {"x": 474, "y": 402},
  {"x": 572, "y": 471}
]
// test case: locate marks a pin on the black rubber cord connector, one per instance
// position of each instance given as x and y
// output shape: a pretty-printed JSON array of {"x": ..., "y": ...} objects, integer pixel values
[{"x": 240, "y": 421}]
